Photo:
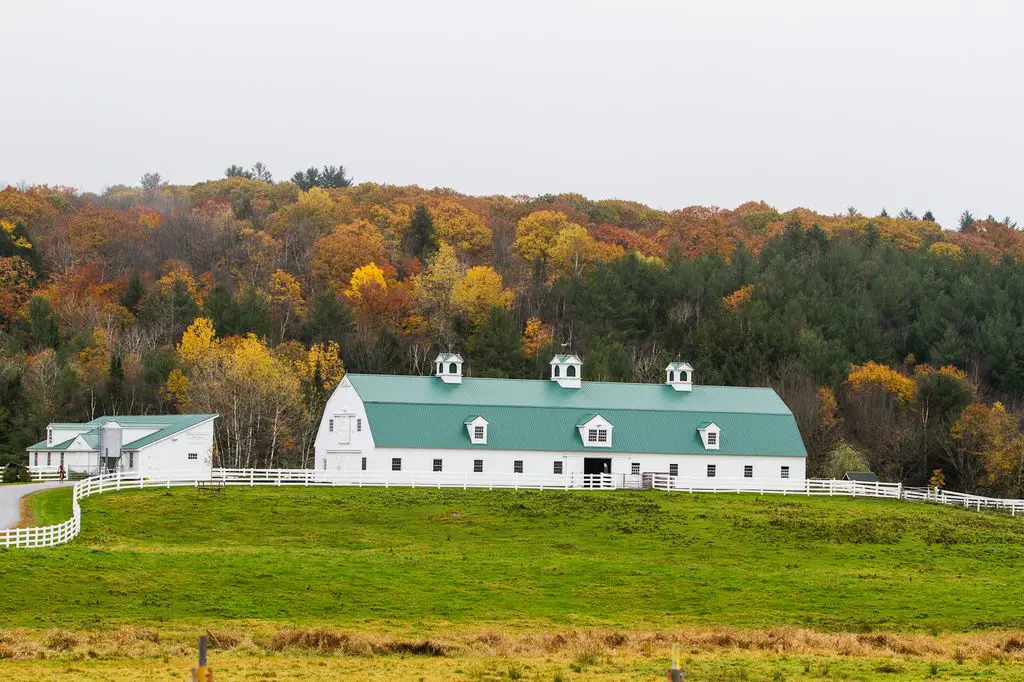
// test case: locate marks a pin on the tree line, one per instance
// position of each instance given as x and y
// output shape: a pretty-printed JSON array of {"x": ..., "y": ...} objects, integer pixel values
[{"x": 896, "y": 343}]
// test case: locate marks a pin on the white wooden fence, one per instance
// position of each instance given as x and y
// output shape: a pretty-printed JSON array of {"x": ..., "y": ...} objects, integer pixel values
[{"x": 48, "y": 536}]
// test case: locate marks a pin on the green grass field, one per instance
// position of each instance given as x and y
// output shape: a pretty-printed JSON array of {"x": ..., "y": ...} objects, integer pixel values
[{"x": 450, "y": 563}]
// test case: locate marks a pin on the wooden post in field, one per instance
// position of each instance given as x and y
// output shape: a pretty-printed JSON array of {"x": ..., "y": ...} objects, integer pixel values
[
  {"x": 202, "y": 673},
  {"x": 674, "y": 673}
]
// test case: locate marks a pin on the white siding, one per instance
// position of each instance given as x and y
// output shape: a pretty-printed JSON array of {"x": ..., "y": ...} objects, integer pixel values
[{"x": 171, "y": 454}]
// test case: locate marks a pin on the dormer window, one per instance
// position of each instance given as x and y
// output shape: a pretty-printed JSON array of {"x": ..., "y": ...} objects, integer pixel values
[
  {"x": 595, "y": 431},
  {"x": 565, "y": 369},
  {"x": 476, "y": 427},
  {"x": 449, "y": 368},
  {"x": 679, "y": 375},
  {"x": 710, "y": 435}
]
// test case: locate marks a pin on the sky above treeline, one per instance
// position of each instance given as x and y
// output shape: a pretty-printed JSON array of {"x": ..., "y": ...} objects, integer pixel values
[{"x": 864, "y": 103}]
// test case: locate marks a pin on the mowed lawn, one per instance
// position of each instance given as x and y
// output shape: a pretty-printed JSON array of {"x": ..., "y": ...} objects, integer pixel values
[{"x": 423, "y": 559}]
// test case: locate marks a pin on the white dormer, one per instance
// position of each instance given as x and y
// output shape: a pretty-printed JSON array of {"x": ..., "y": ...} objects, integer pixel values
[
  {"x": 595, "y": 431},
  {"x": 567, "y": 370},
  {"x": 679, "y": 375},
  {"x": 710, "y": 434},
  {"x": 448, "y": 366},
  {"x": 476, "y": 427}
]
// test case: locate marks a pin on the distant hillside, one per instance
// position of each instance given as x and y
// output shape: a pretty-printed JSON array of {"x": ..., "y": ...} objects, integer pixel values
[{"x": 886, "y": 333}]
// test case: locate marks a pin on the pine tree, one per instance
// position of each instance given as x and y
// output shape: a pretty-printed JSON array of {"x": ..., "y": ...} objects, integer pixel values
[
  {"x": 928, "y": 217},
  {"x": 421, "y": 240},
  {"x": 132, "y": 295},
  {"x": 966, "y": 222}
]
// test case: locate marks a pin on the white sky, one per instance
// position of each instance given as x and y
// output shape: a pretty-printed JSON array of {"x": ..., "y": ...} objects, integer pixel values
[{"x": 814, "y": 103}]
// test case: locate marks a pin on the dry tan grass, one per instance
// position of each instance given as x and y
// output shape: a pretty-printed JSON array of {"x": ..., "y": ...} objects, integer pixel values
[{"x": 143, "y": 643}]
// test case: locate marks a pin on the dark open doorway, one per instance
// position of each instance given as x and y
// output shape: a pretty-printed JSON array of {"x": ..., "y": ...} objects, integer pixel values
[{"x": 597, "y": 465}]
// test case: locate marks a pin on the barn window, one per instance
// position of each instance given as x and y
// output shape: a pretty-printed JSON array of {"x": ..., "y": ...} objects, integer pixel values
[
  {"x": 558, "y": 467},
  {"x": 557, "y": 368},
  {"x": 711, "y": 470},
  {"x": 671, "y": 376},
  {"x": 49, "y": 436},
  {"x": 748, "y": 471},
  {"x": 438, "y": 465},
  {"x": 476, "y": 427},
  {"x": 673, "y": 469},
  {"x": 570, "y": 371},
  {"x": 36, "y": 463},
  {"x": 193, "y": 456},
  {"x": 330, "y": 425},
  {"x": 49, "y": 457},
  {"x": 517, "y": 466},
  {"x": 359, "y": 425},
  {"x": 712, "y": 438},
  {"x": 478, "y": 466},
  {"x": 363, "y": 464},
  {"x": 453, "y": 368},
  {"x": 634, "y": 468},
  {"x": 325, "y": 464},
  {"x": 785, "y": 472},
  {"x": 62, "y": 459},
  {"x": 478, "y": 432},
  {"x": 131, "y": 460},
  {"x": 396, "y": 463}
]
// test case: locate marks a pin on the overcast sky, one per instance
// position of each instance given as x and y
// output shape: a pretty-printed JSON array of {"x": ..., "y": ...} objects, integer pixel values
[{"x": 868, "y": 103}]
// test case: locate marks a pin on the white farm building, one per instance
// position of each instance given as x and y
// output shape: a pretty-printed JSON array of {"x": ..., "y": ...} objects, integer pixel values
[
  {"x": 487, "y": 430},
  {"x": 142, "y": 445}
]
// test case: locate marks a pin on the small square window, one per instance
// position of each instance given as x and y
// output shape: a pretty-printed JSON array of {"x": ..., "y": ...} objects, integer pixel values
[
  {"x": 193, "y": 456},
  {"x": 558, "y": 467},
  {"x": 517, "y": 466},
  {"x": 711, "y": 470},
  {"x": 602, "y": 435},
  {"x": 438, "y": 465},
  {"x": 592, "y": 436},
  {"x": 396, "y": 463},
  {"x": 634, "y": 468},
  {"x": 478, "y": 432},
  {"x": 748, "y": 471},
  {"x": 712, "y": 438},
  {"x": 478, "y": 466},
  {"x": 785, "y": 472},
  {"x": 364, "y": 464},
  {"x": 673, "y": 469}
]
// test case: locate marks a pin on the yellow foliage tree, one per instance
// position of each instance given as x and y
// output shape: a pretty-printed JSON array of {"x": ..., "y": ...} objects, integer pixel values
[
  {"x": 480, "y": 290},
  {"x": 989, "y": 436},
  {"x": 572, "y": 251},
  {"x": 366, "y": 286},
  {"x": 19, "y": 241},
  {"x": 337, "y": 255},
  {"x": 536, "y": 337},
  {"x": 536, "y": 233},
  {"x": 874, "y": 375},
  {"x": 197, "y": 341},
  {"x": 176, "y": 389},
  {"x": 286, "y": 299},
  {"x": 462, "y": 228},
  {"x": 946, "y": 250},
  {"x": 323, "y": 364},
  {"x": 738, "y": 298},
  {"x": 434, "y": 292}
]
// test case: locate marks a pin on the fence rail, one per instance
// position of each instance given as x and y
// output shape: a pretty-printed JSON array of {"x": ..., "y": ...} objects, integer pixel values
[{"x": 49, "y": 536}]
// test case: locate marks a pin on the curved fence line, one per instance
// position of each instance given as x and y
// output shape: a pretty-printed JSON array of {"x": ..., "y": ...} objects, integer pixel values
[{"x": 49, "y": 536}]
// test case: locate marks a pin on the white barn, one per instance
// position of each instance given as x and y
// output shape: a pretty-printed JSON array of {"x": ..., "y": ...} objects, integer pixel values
[
  {"x": 490, "y": 429},
  {"x": 143, "y": 445}
]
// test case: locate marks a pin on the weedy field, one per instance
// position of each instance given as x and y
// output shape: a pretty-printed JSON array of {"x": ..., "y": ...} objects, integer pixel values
[{"x": 452, "y": 584}]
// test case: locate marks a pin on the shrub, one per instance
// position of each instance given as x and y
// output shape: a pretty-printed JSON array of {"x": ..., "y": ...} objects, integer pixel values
[{"x": 844, "y": 457}]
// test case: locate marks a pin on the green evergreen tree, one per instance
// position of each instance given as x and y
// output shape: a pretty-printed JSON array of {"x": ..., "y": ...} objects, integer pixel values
[
  {"x": 494, "y": 347},
  {"x": 421, "y": 239}
]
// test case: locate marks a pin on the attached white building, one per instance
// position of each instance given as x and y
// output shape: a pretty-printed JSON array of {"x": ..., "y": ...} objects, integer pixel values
[
  {"x": 490, "y": 429},
  {"x": 141, "y": 445}
]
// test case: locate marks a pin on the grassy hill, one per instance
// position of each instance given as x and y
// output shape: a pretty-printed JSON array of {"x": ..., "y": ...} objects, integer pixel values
[{"x": 450, "y": 563}]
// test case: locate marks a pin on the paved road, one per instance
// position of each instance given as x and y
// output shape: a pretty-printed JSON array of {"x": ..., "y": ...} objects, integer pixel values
[{"x": 10, "y": 496}]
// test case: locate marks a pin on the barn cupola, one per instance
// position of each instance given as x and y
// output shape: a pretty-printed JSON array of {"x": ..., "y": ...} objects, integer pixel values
[
  {"x": 448, "y": 366},
  {"x": 679, "y": 375},
  {"x": 566, "y": 370}
]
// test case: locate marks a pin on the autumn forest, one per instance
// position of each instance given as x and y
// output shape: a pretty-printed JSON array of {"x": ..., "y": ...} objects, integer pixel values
[{"x": 899, "y": 345}]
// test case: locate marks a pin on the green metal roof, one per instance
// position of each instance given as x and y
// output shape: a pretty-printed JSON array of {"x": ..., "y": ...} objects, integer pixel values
[
  {"x": 165, "y": 425},
  {"x": 425, "y": 412}
]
